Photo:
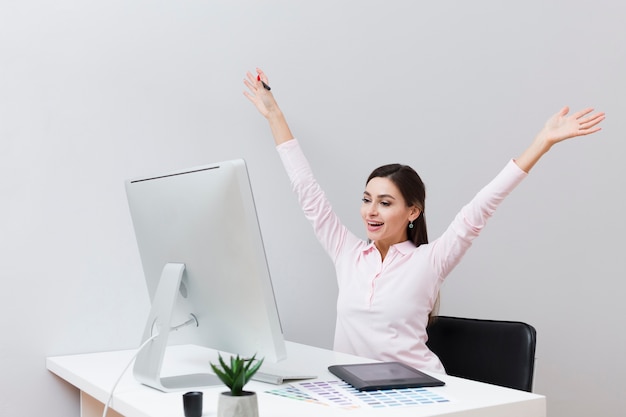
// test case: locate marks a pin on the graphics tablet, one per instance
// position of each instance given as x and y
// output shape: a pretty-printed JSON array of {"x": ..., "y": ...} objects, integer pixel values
[{"x": 383, "y": 375}]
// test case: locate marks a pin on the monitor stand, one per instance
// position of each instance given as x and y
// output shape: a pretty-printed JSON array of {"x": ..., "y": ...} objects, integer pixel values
[{"x": 147, "y": 369}]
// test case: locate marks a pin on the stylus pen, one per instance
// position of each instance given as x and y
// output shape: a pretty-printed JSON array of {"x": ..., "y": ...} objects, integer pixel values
[{"x": 267, "y": 87}]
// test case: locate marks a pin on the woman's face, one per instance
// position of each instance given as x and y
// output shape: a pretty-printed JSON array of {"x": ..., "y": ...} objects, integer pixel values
[{"x": 385, "y": 212}]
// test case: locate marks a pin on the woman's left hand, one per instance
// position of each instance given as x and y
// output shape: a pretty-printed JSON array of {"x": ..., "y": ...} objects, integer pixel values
[
  {"x": 562, "y": 126},
  {"x": 559, "y": 127}
]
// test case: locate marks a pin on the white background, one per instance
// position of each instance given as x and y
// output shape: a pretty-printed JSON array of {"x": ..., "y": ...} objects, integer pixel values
[{"x": 95, "y": 92}]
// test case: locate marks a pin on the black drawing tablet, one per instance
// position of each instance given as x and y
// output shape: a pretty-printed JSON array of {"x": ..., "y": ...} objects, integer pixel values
[{"x": 383, "y": 375}]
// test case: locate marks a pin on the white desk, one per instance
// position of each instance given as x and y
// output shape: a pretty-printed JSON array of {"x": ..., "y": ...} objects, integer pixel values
[{"x": 94, "y": 375}]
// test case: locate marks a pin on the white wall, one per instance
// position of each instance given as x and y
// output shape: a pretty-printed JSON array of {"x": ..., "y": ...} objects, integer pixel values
[{"x": 92, "y": 93}]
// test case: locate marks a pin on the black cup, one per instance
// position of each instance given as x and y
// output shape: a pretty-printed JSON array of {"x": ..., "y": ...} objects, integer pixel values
[{"x": 192, "y": 404}]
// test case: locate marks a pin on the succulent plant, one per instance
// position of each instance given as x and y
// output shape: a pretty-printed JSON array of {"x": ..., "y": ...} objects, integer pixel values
[{"x": 238, "y": 373}]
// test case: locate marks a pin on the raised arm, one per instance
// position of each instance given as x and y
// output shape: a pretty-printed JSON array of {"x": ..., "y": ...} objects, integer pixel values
[
  {"x": 265, "y": 103},
  {"x": 558, "y": 128}
]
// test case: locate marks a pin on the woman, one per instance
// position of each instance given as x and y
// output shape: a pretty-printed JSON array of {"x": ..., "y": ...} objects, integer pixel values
[{"x": 389, "y": 284}]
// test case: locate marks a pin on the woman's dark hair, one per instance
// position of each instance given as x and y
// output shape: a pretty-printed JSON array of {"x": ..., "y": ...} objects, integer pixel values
[{"x": 413, "y": 191}]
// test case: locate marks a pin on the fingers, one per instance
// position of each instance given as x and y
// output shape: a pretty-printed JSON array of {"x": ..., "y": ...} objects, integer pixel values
[
  {"x": 254, "y": 84},
  {"x": 261, "y": 76},
  {"x": 249, "y": 96},
  {"x": 252, "y": 92},
  {"x": 586, "y": 123},
  {"x": 250, "y": 81},
  {"x": 590, "y": 121},
  {"x": 589, "y": 125},
  {"x": 595, "y": 119},
  {"x": 582, "y": 113},
  {"x": 258, "y": 92},
  {"x": 253, "y": 87},
  {"x": 589, "y": 131}
]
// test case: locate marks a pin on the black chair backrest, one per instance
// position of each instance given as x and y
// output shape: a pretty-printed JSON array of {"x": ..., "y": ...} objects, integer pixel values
[{"x": 491, "y": 351}]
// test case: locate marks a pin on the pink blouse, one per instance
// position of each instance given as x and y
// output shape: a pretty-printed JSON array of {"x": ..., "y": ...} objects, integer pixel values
[{"x": 383, "y": 306}]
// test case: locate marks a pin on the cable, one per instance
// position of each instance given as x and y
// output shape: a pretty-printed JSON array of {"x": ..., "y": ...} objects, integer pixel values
[{"x": 143, "y": 345}]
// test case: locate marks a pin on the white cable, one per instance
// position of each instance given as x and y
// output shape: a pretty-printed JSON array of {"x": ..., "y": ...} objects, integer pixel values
[{"x": 106, "y": 405}]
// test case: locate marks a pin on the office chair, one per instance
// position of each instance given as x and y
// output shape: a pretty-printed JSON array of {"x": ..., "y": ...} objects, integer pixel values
[{"x": 491, "y": 351}]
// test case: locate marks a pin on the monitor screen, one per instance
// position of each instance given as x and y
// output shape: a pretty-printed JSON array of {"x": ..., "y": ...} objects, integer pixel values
[{"x": 203, "y": 220}]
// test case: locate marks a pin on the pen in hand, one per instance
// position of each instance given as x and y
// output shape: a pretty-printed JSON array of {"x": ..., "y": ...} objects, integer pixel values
[{"x": 267, "y": 87}]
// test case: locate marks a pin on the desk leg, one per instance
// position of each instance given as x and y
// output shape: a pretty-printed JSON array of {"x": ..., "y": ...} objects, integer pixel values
[{"x": 90, "y": 407}]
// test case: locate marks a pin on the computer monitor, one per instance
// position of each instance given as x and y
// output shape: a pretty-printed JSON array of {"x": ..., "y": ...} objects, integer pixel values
[{"x": 205, "y": 268}]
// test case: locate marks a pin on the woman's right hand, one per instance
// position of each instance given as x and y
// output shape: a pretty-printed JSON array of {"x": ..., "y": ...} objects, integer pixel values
[
  {"x": 258, "y": 94},
  {"x": 265, "y": 103}
]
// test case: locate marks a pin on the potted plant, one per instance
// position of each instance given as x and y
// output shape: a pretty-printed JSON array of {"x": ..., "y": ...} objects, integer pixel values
[{"x": 237, "y": 402}]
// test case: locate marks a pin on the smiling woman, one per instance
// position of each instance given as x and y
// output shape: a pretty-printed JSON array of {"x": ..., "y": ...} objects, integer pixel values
[
  {"x": 394, "y": 197},
  {"x": 389, "y": 284}
]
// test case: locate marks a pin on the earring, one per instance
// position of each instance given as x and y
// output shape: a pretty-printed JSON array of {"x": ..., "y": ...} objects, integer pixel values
[{"x": 411, "y": 224}]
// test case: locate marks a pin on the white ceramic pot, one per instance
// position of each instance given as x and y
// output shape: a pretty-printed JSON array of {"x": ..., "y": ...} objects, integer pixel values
[{"x": 245, "y": 405}]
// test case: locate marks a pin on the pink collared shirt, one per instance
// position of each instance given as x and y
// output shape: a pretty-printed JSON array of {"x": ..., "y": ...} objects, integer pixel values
[{"x": 383, "y": 306}]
